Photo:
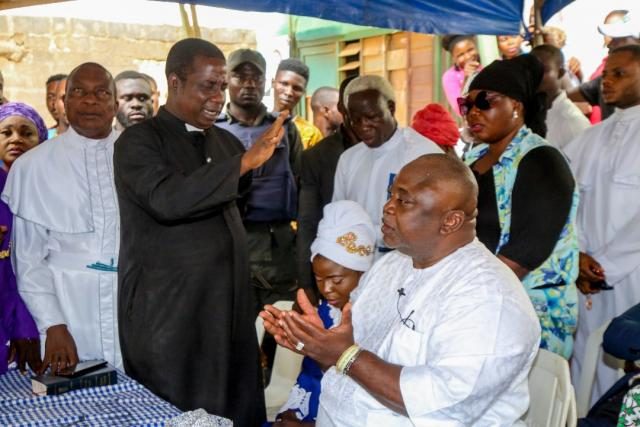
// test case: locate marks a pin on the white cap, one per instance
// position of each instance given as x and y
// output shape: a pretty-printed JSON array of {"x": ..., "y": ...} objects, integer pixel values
[{"x": 626, "y": 27}]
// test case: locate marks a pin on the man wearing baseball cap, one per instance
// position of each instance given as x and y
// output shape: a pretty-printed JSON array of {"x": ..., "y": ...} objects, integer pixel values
[
  {"x": 270, "y": 206},
  {"x": 621, "y": 32},
  {"x": 620, "y": 28}
]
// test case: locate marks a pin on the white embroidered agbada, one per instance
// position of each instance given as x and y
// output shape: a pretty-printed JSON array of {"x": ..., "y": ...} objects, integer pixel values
[
  {"x": 606, "y": 162},
  {"x": 564, "y": 121},
  {"x": 467, "y": 361},
  {"x": 365, "y": 174},
  {"x": 66, "y": 238}
]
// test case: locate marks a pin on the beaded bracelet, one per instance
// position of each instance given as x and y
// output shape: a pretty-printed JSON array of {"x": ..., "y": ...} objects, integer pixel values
[{"x": 347, "y": 358}]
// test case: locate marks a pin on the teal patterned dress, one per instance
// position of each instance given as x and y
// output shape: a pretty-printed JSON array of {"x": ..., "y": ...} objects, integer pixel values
[{"x": 556, "y": 306}]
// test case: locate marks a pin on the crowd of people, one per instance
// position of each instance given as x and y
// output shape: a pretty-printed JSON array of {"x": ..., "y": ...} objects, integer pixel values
[{"x": 426, "y": 282}]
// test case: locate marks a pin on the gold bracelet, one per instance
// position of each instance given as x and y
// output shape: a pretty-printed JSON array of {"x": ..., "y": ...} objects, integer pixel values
[
  {"x": 342, "y": 360},
  {"x": 346, "y": 357},
  {"x": 351, "y": 361}
]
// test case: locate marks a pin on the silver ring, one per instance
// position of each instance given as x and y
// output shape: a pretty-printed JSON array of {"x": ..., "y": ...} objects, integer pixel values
[{"x": 299, "y": 346}]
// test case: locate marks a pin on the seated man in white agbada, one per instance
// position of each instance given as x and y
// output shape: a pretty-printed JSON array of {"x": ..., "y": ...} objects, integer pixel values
[{"x": 441, "y": 333}]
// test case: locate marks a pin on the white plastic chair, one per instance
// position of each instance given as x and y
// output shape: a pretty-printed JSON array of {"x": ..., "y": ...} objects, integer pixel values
[
  {"x": 286, "y": 367},
  {"x": 552, "y": 398},
  {"x": 572, "y": 415},
  {"x": 285, "y": 370},
  {"x": 593, "y": 353}
]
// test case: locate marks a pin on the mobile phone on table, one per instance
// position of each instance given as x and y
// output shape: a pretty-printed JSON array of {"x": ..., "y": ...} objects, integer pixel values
[{"x": 82, "y": 368}]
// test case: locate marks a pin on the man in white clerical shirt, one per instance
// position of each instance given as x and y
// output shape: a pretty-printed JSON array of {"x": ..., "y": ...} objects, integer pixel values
[
  {"x": 366, "y": 171},
  {"x": 66, "y": 233},
  {"x": 440, "y": 332},
  {"x": 606, "y": 162}
]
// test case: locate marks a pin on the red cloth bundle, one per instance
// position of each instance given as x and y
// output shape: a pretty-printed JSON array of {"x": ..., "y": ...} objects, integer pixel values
[{"x": 434, "y": 122}]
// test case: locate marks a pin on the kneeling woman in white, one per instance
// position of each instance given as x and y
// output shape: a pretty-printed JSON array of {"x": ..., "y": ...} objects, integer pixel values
[{"x": 341, "y": 252}]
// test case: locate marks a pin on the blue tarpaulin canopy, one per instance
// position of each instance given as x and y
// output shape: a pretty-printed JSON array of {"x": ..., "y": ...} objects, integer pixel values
[{"x": 422, "y": 16}]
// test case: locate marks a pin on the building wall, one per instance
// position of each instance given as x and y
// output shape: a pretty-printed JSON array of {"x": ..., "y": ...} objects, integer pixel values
[
  {"x": 405, "y": 59},
  {"x": 32, "y": 49}
]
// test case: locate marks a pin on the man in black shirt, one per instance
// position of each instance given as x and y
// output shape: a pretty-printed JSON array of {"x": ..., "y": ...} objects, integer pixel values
[
  {"x": 318, "y": 168},
  {"x": 270, "y": 205}
]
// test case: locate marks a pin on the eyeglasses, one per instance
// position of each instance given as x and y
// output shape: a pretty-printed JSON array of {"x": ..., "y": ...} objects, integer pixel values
[{"x": 484, "y": 101}]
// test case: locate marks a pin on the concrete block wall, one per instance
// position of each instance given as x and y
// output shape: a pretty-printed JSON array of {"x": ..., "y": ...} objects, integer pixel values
[{"x": 32, "y": 49}]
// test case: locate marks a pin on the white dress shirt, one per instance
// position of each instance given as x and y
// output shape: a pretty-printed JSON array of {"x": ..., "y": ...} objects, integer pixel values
[
  {"x": 66, "y": 237},
  {"x": 606, "y": 162},
  {"x": 565, "y": 121},
  {"x": 365, "y": 174},
  {"x": 468, "y": 358}
]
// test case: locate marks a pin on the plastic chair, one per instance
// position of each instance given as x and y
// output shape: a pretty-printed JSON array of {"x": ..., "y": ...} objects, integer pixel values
[
  {"x": 286, "y": 367},
  {"x": 280, "y": 305},
  {"x": 285, "y": 370},
  {"x": 572, "y": 416},
  {"x": 552, "y": 398},
  {"x": 593, "y": 353}
]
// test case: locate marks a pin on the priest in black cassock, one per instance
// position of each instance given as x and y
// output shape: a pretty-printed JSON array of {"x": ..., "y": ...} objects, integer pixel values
[{"x": 185, "y": 308}]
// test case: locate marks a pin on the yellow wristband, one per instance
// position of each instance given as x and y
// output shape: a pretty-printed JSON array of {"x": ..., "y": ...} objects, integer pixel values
[
  {"x": 351, "y": 361},
  {"x": 346, "y": 357},
  {"x": 342, "y": 360}
]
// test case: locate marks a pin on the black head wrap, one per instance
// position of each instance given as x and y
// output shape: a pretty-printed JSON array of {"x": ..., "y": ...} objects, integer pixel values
[{"x": 519, "y": 79}]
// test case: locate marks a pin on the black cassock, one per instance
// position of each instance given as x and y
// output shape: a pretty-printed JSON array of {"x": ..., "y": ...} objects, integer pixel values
[{"x": 185, "y": 307}]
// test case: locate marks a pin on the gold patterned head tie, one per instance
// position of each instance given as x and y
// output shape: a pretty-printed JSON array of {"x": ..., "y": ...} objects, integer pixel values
[{"x": 349, "y": 242}]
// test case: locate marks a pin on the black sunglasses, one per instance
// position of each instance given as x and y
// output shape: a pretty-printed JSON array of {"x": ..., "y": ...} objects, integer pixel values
[{"x": 484, "y": 101}]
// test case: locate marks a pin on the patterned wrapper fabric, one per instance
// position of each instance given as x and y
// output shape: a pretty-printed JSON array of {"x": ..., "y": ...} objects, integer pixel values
[{"x": 630, "y": 411}]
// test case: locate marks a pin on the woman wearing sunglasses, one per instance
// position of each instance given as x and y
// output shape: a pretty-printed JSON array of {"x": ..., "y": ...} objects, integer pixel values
[{"x": 527, "y": 195}]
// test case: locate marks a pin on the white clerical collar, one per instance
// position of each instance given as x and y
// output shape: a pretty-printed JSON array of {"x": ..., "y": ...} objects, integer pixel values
[
  {"x": 77, "y": 140},
  {"x": 191, "y": 128}
]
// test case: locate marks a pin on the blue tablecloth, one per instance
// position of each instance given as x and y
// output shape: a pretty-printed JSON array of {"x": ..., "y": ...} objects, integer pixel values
[{"x": 124, "y": 404}]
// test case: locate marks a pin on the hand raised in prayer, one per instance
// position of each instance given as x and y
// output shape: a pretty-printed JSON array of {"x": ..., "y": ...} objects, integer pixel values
[
  {"x": 59, "y": 350},
  {"x": 590, "y": 272},
  {"x": 272, "y": 317},
  {"x": 25, "y": 351},
  {"x": 264, "y": 147},
  {"x": 323, "y": 345}
]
